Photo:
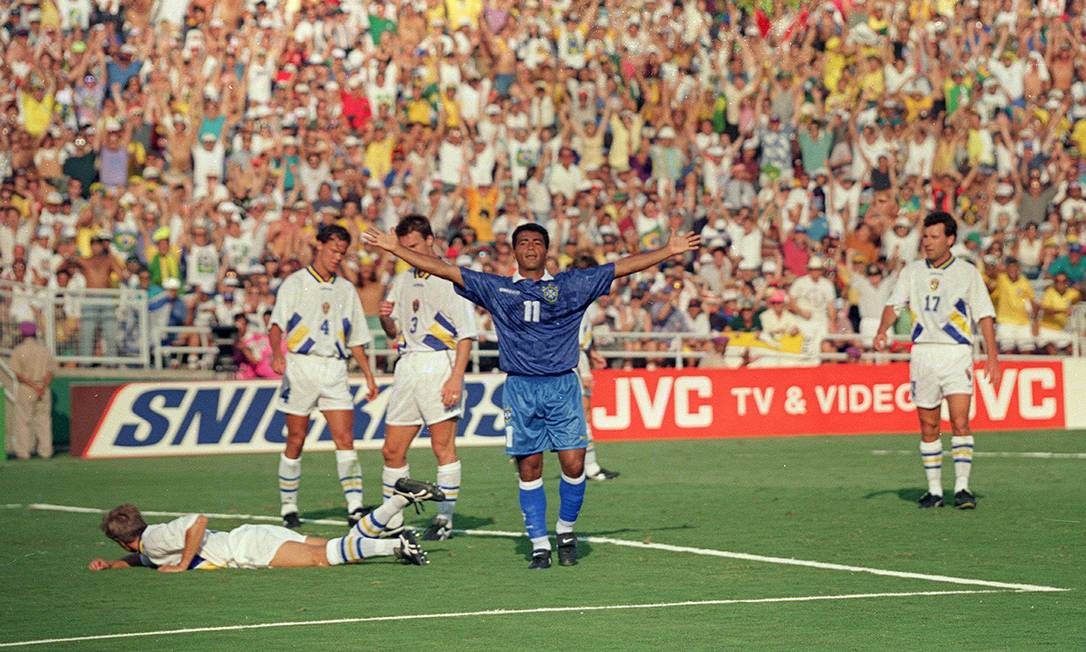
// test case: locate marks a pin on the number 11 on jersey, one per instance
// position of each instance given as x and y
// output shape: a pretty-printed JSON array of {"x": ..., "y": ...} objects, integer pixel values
[{"x": 532, "y": 310}]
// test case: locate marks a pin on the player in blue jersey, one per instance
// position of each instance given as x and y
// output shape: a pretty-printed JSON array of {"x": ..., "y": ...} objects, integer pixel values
[{"x": 537, "y": 317}]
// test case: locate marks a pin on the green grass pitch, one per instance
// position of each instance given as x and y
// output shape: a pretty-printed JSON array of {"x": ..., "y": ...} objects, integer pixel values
[{"x": 839, "y": 500}]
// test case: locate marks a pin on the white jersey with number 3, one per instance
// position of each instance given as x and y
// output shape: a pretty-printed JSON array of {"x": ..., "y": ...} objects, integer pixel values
[
  {"x": 429, "y": 314},
  {"x": 320, "y": 317},
  {"x": 945, "y": 301}
]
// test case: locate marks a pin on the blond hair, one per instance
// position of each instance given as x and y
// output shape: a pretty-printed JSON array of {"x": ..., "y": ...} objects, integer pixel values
[{"x": 124, "y": 523}]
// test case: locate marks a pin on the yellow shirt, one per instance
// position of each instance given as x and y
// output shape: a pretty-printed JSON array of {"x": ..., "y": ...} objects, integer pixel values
[
  {"x": 418, "y": 112},
  {"x": 463, "y": 12},
  {"x": 1013, "y": 300},
  {"x": 477, "y": 203},
  {"x": 452, "y": 112},
  {"x": 379, "y": 157},
  {"x": 1078, "y": 135},
  {"x": 1053, "y": 300},
  {"x": 37, "y": 114}
]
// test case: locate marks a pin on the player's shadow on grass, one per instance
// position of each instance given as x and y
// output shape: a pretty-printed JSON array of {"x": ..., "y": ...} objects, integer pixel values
[{"x": 910, "y": 494}]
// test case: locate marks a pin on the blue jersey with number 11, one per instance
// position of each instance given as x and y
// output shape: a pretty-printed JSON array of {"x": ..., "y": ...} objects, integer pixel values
[{"x": 537, "y": 321}]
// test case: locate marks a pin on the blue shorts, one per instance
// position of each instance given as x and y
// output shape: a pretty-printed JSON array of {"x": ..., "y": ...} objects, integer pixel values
[{"x": 543, "y": 413}]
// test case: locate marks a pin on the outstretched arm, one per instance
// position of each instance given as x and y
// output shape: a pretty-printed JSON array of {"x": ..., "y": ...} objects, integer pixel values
[
  {"x": 429, "y": 264},
  {"x": 676, "y": 244},
  {"x": 128, "y": 561}
]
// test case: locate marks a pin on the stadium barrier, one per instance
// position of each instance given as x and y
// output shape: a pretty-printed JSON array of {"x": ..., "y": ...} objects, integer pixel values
[{"x": 211, "y": 417}]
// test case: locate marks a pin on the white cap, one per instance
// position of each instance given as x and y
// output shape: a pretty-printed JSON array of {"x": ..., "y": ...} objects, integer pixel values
[
  {"x": 666, "y": 132},
  {"x": 715, "y": 150},
  {"x": 1004, "y": 190},
  {"x": 54, "y": 198},
  {"x": 228, "y": 207},
  {"x": 816, "y": 262},
  {"x": 493, "y": 109},
  {"x": 171, "y": 284}
]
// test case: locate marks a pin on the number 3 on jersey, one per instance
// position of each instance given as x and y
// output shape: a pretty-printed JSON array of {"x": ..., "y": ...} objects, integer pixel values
[
  {"x": 931, "y": 303},
  {"x": 532, "y": 310}
]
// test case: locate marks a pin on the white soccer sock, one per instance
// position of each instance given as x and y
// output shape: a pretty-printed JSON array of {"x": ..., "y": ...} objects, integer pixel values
[
  {"x": 351, "y": 549},
  {"x": 389, "y": 476},
  {"x": 290, "y": 477},
  {"x": 350, "y": 478},
  {"x": 591, "y": 464},
  {"x": 931, "y": 453},
  {"x": 448, "y": 480},
  {"x": 388, "y": 515},
  {"x": 961, "y": 449}
]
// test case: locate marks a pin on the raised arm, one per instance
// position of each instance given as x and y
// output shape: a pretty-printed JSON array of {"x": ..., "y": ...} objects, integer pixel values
[
  {"x": 388, "y": 241},
  {"x": 676, "y": 244}
]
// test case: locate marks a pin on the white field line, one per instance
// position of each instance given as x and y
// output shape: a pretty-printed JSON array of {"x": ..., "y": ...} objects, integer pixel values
[
  {"x": 1023, "y": 454},
  {"x": 496, "y": 612},
  {"x": 707, "y": 552}
]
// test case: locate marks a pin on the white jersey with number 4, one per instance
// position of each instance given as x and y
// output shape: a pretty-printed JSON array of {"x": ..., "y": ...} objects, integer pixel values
[
  {"x": 945, "y": 301},
  {"x": 429, "y": 314},
  {"x": 320, "y": 317}
]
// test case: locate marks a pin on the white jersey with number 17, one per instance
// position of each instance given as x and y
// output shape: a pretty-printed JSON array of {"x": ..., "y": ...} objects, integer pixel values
[
  {"x": 945, "y": 301},
  {"x": 320, "y": 317}
]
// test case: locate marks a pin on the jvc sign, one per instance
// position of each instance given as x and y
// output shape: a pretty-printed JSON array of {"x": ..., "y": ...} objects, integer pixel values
[
  {"x": 151, "y": 419},
  {"x": 831, "y": 399}
]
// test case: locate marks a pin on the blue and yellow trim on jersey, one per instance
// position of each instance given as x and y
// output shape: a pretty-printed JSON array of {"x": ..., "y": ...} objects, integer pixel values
[
  {"x": 315, "y": 275},
  {"x": 298, "y": 340},
  {"x": 957, "y": 325},
  {"x": 441, "y": 335},
  {"x": 917, "y": 327},
  {"x": 341, "y": 344},
  {"x": 949, "y": 261}
]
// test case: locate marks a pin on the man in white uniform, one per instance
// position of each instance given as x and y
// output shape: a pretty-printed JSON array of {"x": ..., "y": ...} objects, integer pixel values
[
  {"x": 592, "y": 468},
  {"x": 321, "y": 317},
  {"x": 813, "y": 299},
  {"x": 185, "y": 543},
  {"x": 946, "y": 297},
  {"x": 435, "y": 327}
]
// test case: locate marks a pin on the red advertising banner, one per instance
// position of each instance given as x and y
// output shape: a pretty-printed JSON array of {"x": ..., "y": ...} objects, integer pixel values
[{"x": 829, "y": 399}]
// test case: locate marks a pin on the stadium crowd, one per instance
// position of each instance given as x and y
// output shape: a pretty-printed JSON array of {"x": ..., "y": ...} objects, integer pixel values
[{"x": 192, "y": 149}]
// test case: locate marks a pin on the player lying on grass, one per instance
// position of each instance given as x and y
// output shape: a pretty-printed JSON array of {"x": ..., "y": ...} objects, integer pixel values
[{"x": 185, "y": 543}]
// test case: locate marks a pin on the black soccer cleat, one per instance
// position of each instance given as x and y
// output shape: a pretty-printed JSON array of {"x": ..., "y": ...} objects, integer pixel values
[
  {"x": 291, "y": 520},
  {"x": 541, "y": 558},
  {"x": 567, "y": 549},
  {"x": 930, "y": 500},
  {"x": 603, "y": 474},
  {"x": 965, "y": 500},
  {"x": 440, "y": 529},
  {"x": 356, "y": 515},
  {"x": 409, "y": 551},
  {"x": 417, "y": 490}
]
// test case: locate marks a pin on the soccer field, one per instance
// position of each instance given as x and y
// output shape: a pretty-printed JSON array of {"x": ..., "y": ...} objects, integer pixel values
[{"x": 811, "y": 542}]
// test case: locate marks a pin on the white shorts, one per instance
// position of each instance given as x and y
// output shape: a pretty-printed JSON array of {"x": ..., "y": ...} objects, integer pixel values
[
  {"x": 314, "y": 382},
  {"x": 415, "y": 399},
  {"x": 939, "y": 370},
  {"x": 1061, "y": 339},
  {"x": 1014, "y": 336},
  {"x": 254, "y": 546}
]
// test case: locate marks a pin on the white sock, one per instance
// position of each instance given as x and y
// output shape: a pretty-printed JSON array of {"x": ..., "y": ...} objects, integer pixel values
[
  {"x": 350, "y": 478},
  {"x": 931, "y": 453},
  {"x": 591, "y": 464},
  {"x": 961, "y": 449},
  {"x": 290, "y": 477},
  {"x": 448, "y": 480},
  {"x": 388, "y": 515},
  {"x": 541, "y": 543},
  {"x": 350, "y": 549},
  {"x": 389, "y": 476}
]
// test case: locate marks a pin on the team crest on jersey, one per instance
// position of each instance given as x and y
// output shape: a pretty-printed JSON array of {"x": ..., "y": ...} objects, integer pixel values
[
  {"x": 325, "y": 307},
  {"x": 415, "y": 305},
  {"x": 550, "y": 293},
  {"x": 933, "y": 284}
]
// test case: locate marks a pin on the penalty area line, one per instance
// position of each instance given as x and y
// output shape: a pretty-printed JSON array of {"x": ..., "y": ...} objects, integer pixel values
[
  {"x": 499, "y": 612},
  {"x": 706, "y": 552}
]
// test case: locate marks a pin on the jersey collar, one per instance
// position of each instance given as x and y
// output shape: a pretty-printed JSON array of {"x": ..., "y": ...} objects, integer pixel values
[
  {"x": 517, "y": 278},
  {"x": 948, "y": 263},
  {"x": 314, "y": 274}
]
